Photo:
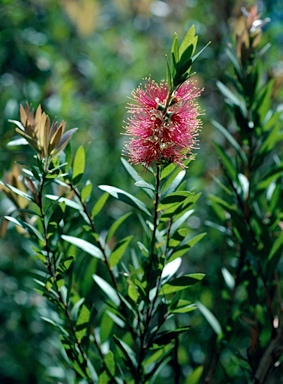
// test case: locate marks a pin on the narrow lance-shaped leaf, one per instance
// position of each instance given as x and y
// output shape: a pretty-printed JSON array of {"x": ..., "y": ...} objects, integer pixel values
[
  {"x": 176, "y": 225},
  {"x": 86, "y": 191},
  {"x": 68, "y": 202},
  {"x": 18, "y": 191},
  {"x": 82, "y": 322},
  {"x": 275, "y": 255},
  {"x": 119, "y": 251},
  {"x": 79, "y": 165},
  {"x": 270, "y": 176},
  {"x": 229, "y": 167},
  {"x": 231, "y": 140},
  {"x": 138, "y": 179},
  {"x": 116, "y": 225},
  {"x": 109, "y": 361},
  {"x": 195, "y": 376},
  {"x": 171, "y": 268},
  {"x": 65, "y": 140},
  {"x": 107, "y": 289},
  {"x": 214, "y": 323},
  {"x": 160, "y": 353},
  {"x": 126, "y": 197},
  {"x": 230, "y": 96},
  {"x": 76, "y": 308},
  {"x": 84, "y": 245},
  {"x": 228, "y": 278},
  {"x": 128, "y": 353},
  {"x": 99, "y": 205},
  {"x": 181, "y": 283},
  {"x": 165, "y": 337},
  {"x": 189, "y": 40},
  {"x": 175, "y": 54},
  {"x": 28, "y": 227}
]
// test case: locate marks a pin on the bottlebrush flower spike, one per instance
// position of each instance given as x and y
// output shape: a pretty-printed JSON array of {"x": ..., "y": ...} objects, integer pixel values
[{"x": 163, "y": 125}]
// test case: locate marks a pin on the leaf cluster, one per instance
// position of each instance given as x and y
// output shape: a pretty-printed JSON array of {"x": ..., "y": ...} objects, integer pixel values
[{"x": 115, "y": 298}]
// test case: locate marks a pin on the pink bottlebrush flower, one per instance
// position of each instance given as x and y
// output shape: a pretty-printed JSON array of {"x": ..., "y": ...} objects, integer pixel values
[{"x": 162, "y": 126}]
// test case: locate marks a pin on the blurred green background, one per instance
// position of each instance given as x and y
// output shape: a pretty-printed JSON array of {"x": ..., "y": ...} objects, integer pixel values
[{"x": 81, "y": 59}]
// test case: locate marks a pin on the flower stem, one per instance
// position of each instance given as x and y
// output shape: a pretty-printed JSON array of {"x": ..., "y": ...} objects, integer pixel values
[{"x": 52, "y": 270}]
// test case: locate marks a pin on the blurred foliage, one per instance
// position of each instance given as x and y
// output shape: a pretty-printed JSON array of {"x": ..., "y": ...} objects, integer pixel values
[{"x": 81, "y": 59}]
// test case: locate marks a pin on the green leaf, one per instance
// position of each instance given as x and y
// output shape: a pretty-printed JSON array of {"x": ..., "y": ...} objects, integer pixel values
[
  {"x": 18, "y": 124},
  {"x": 116, "y": 319},
  {"x": 68, "y": 202},
  {"x": 107, "y": 289},
  {"x": 106, "y": 326},
  {"x": 169, "y": 78},
  {"x": 86, "y": 191},
  {"x": 195, "y": 376},
  {"x": 76, "y": 359},
  {"x": 146, "y": 187},
  {"x": 18, "y": 191},
  {"x": 185, "y": 309},
  {"x": 104, "y": 378},
  {"x": 175, "y": 51},
  {"x": 185, "y": 62},
  {"x": 28, "y": 227},
  {"x": 196, "y": 56},
  {"x": 275, "y": 255},
  {"x": 57, "y": 214},
  {"x": 178, "y": 209},
  {"x": 82, "y": 322},
  {"x": 161, "y": 351},
  {"x": 228, "y": 278},
  {"x": 78, "y": 165},
  {"x": 125, "y": 197},
  {"x": 119, "y": 251},
  {"x": 231, "y": 97},
  {"x": 179, "y": 252},
  {"x": 196, "y": 239},
  {"x": 186, "y": 52},
  {"x": 171, "y": 268},
  {"x": 189, "y": 40},
  {"x": 99, "y": 205},
  {"x": 229, "y": 167},
  {"x": 222, "y": 186},
  {"x": 127, "y": 352},
  {"x": 167, "y": 170},
  {"x": 174, "y": 198},
  {"x": 181, "y": 283},
  {"x": 116, "y": 225},
  {"x": 66, "y": 264},
  {"x": 132, "y": 291},
  {"x": 158, "y": 369},
  {"x": 59, "y": 281},
  {"x": 228, "y": 207},
  {"x": 165, "y": 337},
  {"x": 269, "y": 177},
  {"x": 177, "y": 224},
  {"x": 173, "y": 182},
  {"x": 233, "y": 59},
  {"x": 211, "y": 319},
  {"x": 84, "y": 245},
  {"x": 109, "y": 361},
  {"x": 75, "y": 309},
  {"x": 134, "y": 174},
  {"x": 231, "y": 140},
  {"x": 263, "y": 102}
]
